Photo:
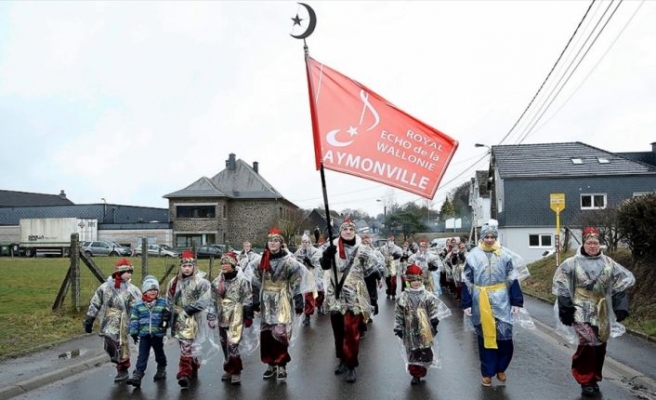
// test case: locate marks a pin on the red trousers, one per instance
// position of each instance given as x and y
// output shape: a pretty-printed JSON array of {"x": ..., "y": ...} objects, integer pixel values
[
  {"x": 417, "y": 371},
  {"x": 273, "y": 351},
  {"x": 309, "y": 304},
  {"x": 390, "y": 281},
  {"x": 232, "y": 363},
  {"x": 346, "y": 332},
  {"x": 587, "y": 364},
  {"x": 188, "y": 367},
  {"x": 123, "y": 366}
]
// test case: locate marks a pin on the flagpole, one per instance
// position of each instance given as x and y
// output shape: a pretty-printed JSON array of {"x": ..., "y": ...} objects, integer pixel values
[{"x": 315, "y": 130}]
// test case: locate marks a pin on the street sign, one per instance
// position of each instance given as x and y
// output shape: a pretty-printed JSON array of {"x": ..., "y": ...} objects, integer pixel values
[{"x": 557, "y": 202}]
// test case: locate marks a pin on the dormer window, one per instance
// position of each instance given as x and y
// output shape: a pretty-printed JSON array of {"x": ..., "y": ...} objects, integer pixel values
[{"x": 577, "y": 161}]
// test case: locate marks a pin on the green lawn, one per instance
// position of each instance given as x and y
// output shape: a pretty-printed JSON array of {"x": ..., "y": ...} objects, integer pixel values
[{"x": 28, "y": 290}]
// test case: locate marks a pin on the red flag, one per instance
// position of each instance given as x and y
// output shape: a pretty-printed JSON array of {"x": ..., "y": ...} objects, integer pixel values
[{"x": 358, "y": 132}]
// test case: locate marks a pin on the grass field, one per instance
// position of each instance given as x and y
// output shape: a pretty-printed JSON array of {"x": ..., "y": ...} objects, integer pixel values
[{"x": 28, "y": 290}]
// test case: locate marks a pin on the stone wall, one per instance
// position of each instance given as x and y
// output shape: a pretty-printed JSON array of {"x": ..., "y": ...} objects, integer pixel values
[{"x": 244, "y": 219}]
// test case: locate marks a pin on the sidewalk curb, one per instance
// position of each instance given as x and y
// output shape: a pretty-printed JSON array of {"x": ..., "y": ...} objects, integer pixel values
[{"x": 23, "y": 387}]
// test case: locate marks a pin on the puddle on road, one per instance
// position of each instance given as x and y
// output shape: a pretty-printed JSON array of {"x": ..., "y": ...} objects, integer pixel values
[{"x": 70, "y": 354}]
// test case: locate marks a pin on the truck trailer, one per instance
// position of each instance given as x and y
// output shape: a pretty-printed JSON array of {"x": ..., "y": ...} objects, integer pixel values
[{"x": 52, "y": 236}]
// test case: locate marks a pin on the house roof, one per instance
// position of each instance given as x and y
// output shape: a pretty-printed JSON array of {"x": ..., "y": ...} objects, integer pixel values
[
  {"x": 203, "y": 187},
  {"x": 113, "y": 213},
  {"x": 10, "y": 198},
  {"x": 240, "y": 182},
  {"x": 243, "y": 182},
  {"x": 563, "y": 159}
]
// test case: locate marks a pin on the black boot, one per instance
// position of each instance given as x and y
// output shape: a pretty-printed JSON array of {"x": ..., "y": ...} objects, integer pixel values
[
  {"x": 160, "y": 375},
  {"x": 415, "y": 380},
  {"x": 306, "y": 320},
  {"x": 183, "y": 381},
  {"x": 350, "y": 376},
  {"x": 136, "y": 379},
  {"x": 587, "y": 391},
  {"x": 340, "y": 369},
  {"x": 121, "y": 376}
]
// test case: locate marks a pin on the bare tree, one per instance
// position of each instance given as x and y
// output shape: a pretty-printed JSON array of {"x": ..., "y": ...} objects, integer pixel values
[
  {"x": 606, "y": 221},
  {"x": 292, "y": 225}
]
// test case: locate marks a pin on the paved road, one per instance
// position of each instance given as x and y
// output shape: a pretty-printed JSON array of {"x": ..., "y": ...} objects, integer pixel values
[{"x": 540, "y": 370}]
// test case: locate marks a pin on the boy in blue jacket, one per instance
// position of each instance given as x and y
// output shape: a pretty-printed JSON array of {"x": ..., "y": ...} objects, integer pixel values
[{"x": 148, "y": 324}]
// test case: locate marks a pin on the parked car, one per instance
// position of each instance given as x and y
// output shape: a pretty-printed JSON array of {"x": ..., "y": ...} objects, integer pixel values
[
  {"x": 209, "y": 250},
  {"x": 104, "y": 248},
  {"x": 441, "y": 242},
  {"x": 157, "y": 250}
]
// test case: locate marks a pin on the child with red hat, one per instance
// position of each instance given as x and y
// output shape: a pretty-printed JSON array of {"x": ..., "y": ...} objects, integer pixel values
[
  {"x": 113, "y": 301},
  {"x": 231, "y": 310},
  {"x": 188, "y": 295},
  {"x": 417, "y": 314}
]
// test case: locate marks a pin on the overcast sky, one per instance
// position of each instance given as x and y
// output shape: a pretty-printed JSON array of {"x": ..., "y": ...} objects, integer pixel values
[{"x": 129, "y": 101}]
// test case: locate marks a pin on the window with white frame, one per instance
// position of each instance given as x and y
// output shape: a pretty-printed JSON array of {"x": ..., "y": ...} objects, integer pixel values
[
  {"x": 540, "y": 240},
  {"x": 593, "y": 201}
]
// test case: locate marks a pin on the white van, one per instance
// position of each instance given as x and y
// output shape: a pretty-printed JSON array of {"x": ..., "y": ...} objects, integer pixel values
[{"x": 441, "y": 242}]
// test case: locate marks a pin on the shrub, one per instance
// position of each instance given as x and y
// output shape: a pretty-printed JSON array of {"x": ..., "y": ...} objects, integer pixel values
[{"x": 636, "y": 223}]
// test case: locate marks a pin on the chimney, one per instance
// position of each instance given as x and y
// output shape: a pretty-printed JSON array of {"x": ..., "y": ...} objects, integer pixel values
[
  {"x": 231, "y": 163},
  {"x": 62, "y": 194},
  {"x": 256, "y": 167}
]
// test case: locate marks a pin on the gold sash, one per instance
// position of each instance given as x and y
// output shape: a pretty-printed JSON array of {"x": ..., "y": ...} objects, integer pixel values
[
  {"x": 425, "y": 332},
  {"x": 487, "y": 319},
  {"x": 602, "y": 310},
  {"x": 186, "y": 326},
  {"x": 236, "y": 326},
  {"x": 115, "y": 314},
  {"x": 284, "y": 303}
]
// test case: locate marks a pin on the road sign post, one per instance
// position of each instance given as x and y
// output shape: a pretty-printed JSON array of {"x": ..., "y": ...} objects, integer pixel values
[{"x": 557, "y": 204}]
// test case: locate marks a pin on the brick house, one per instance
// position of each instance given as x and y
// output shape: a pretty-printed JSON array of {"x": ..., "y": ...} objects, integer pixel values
[
  {"x": 524, "y": 176},
  {"x": 236, "y": 204}
]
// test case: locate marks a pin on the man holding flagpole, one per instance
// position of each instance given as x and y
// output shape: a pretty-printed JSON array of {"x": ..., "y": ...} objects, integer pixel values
[{"x": 347, "y": 295}]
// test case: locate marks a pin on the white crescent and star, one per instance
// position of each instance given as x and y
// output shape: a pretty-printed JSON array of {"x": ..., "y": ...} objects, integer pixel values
[{"x": 331, "y": 137}]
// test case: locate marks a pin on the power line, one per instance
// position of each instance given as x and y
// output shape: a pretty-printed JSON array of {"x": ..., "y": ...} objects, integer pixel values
[
  {"x": 549, "y": 74},
  {"x": 593, "y": 68},
  {"x": 544, "y": 109}
]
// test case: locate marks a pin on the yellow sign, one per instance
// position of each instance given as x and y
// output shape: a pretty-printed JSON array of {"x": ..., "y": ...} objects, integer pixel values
[{"x": 557, "y": 201}]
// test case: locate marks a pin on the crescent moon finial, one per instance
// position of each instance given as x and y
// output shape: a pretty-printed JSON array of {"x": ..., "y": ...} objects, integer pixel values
[{"x": 311, "y": 25}]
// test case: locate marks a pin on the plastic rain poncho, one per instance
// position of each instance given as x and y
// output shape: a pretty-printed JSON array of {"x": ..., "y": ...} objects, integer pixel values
[
  {"x": 414, "y": 310},
  {"x": 190, "y": 291},
  {"x": 497, "y": 273},
  {"x": 113, "y": 307},
  {"x": 353, "y": 296},
  {"x": 279, "y": 290},
  {"x": 590, "y": 283}
]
